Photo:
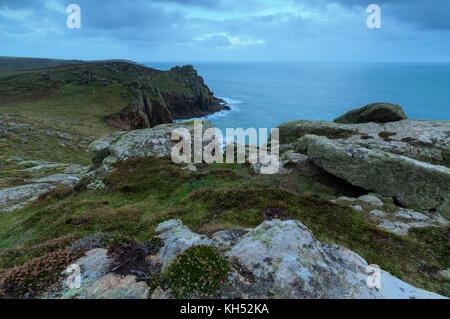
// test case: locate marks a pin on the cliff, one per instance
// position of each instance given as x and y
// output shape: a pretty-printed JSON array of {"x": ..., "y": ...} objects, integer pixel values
[
  {"x": 162, "y": 96},
  {"x": 126, "y": 95}
]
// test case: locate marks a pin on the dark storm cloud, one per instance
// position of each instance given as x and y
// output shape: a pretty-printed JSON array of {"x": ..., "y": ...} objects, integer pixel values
[
  {"x": 20, "y": 4},
  {"x": 427, "y": 14},
  {"x": 227, "y": 29},
  {"x": 199, "y": 3},
  {"x": 106, "y": 14}
]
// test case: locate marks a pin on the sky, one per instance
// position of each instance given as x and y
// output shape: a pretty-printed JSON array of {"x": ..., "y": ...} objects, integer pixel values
[{"x": 228, "y": 30}]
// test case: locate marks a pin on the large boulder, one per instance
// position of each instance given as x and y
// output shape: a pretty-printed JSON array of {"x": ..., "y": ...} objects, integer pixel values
[
  {"x": 177, "y": 238},
  {"x": 292, "y": 131},
  {"x": 97, "y": 282},
  {"x": 65, "y": 179},
  {"x": 410, "y": 182},
  {"x": 282, "y": 258},
  {"x": 98, "y": 150},
  {"x": 17, "y": 197},
  {"x": 139, "y": 143},
  {"x": 424, "y": 140},
  {"x": 375, "y": 112}
]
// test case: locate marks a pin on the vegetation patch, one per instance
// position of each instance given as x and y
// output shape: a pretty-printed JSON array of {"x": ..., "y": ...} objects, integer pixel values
[
  {"x": 402, "y": 256},
  {"x": 271, "y": 213},
  {"x": 143, "y": 193},
  {"x": 144, "y": 174},
  {"x": 366, "y": 137},
  {"x": 19, "y": 255},
  {"x": 385, "y": 135},
  {"x": 130, "y": 258},
  {"x": 199, "y": 271},
  {"x": 36, "y": 275}
]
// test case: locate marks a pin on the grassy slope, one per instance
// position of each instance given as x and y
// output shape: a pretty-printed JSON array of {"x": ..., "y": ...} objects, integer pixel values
[
  {"x": 13, "y": 63},
  {"x": 77, "y": 108},
  {"x": 56, "y": 104},
  {"x": 143, "y": 193}
]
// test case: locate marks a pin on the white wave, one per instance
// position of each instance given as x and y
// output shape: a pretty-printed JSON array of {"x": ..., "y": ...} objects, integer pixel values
[
  {"x": 211, "y": 117},
  {"x": 230, "y": 101}
]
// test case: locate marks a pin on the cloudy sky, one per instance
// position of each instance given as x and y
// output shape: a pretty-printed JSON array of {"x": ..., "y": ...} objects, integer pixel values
[{"x": 227, "y": 30}]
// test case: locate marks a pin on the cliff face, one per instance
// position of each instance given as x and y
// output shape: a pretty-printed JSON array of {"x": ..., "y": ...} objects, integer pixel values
[
  {"x": 163, "y": 96},
  {"x": 137, "y": 97},
  {"x": 147, "y": 109},
  {"x": 197, "y": 100}
]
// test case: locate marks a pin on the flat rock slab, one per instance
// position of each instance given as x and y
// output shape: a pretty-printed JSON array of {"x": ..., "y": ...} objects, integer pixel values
[
  {"x": 65, "y": 179},
  {"x": 283, "y": 257},
  {"x": 96, "y": 282},
  {"x": 427, "y": 141},
  {"x": 410, "y": 182},
  {"x": 154, "y": 141},
  {"x": 277, "y": 257},
  {"x": 38, "y": 165},
  {"x": 177, "y": 238},
  {"x": 17, "y": 197}
]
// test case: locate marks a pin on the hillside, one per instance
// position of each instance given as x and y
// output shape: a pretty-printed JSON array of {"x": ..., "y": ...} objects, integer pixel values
[
  {"x": 16, "y": 64},
  {"x": 96, "y": 98}
]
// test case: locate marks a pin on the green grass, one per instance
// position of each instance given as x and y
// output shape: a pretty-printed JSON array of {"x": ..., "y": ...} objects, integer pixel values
[
  {"x": 74, "y": 108},
  {"x": 198, "y": 271},
  {"x": 142, "y": 193}
]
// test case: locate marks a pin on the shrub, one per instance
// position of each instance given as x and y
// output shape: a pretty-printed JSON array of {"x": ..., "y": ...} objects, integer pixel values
[
  {"x": 19, "y": 255},
  {"x": 200, "y": 270},
  {"x": 57, "y": 193},
  {"x": 141, "y": 174},
  {"x": 36, "y": 275}
]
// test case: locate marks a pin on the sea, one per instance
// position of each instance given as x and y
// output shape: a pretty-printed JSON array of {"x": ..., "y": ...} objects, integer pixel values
[{"x": 266, "y": 94}]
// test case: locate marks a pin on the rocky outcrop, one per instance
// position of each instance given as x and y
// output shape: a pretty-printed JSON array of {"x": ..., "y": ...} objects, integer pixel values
[
  {"x": 410, "y": 182},
  {"x": 177, "y": 238},
  {"x": 120, "y": 146},
  {"x": 279, "y": 259},
  {"x": 139, "y": 143},
  {"x": 196, "y": 101},
  {"x": 283, "y": 259},
  {"x": 148, "y": 109},
  {"x": 95, "y": 281},
  {"x": 423, "y": 140},
  {"x": 17, "y": 197},
  {"x": 12, "y": 198},
  {"x": 159, "y": 97},
  {"x": 292, "y": 131},
  {"x": 375, "y": 112}
]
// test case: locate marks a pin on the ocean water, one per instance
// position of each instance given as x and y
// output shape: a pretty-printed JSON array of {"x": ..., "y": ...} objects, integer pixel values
[{"x": 264, "y": 95}]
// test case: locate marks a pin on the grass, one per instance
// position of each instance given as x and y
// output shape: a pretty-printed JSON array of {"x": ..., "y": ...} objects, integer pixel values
[
  {"x": 144, "y": 192},
  {"x": 198, "y": 271},
  {"x": 79, "y": 97},
  {"x": 75, "y": 108}
]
